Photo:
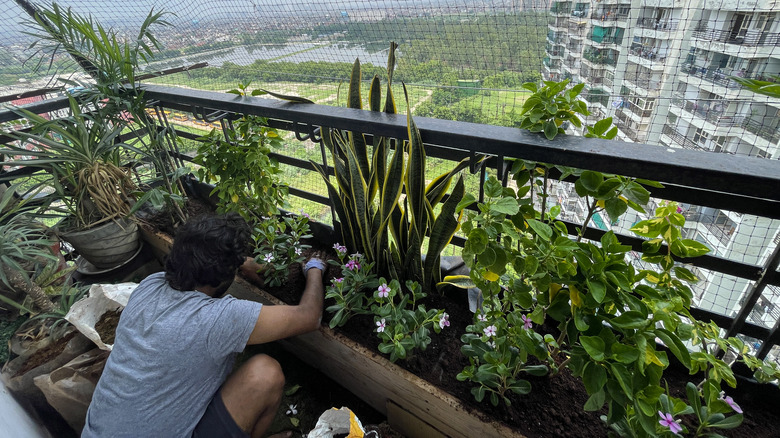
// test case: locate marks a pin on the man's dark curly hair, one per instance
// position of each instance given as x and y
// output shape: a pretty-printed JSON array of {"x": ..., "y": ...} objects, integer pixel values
[{"x": 206, "y": 251}]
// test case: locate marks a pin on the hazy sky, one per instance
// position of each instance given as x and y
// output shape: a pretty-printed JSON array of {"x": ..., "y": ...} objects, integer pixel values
[{"x": 113, "y": 12}]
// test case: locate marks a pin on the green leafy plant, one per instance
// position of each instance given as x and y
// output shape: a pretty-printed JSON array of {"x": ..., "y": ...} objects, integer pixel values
[
  {"x": 402, "y": 325},
  {"x": 550, "y": 106},
  {"x": 248, "y": 180},
  {"x": 278, "y": 245},
  {"x": 349, "y": 291},
  {"x": 366, "y": 195},
  {"x": 23, "y": 242}
]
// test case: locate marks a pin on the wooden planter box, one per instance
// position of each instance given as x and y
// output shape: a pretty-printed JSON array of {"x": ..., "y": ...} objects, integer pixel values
[{"x": 413, "y": 406}]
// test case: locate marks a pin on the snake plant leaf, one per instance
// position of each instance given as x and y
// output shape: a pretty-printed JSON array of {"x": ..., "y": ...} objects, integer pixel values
[
  {"x": 438, "y": 187},
  {"x": 415, "y": 173},
  {"x": 390, "y": 100},
  {"x": 353, "y": 99},
  {"x": 337, "y": 201},
  {"x": 357, "y": 189},
  {"x": 375, "y": 95},
  {"x": 357, "y": 144},
  {"x": 378, "y": 166},
  {"x": 444, "y": 227}
]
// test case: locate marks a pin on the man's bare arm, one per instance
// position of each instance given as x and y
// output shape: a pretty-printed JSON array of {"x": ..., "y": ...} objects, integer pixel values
[{"x": 279, "y": 322}]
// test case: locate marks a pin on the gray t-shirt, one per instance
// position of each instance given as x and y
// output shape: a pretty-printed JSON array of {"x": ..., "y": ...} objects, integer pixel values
[{"x": 173, "y": 350}]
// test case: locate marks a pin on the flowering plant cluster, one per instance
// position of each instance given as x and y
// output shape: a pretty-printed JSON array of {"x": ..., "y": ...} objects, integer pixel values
[
  {"x": 401, "y": 324},
  {"x": 278, "y": 245},
  {"x": 348, "y": 290}
]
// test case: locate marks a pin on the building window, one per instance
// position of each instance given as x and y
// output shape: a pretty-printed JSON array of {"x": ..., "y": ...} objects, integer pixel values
[{"x": 701, "y": 136}]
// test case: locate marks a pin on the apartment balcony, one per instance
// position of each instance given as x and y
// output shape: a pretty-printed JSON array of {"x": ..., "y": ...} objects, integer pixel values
[
  {"x": 709, "y": 110},
  {"x": 622, "y": 121},
  {"x": 771, "y": 39},
  {"x": 741, "y": 184},
  {"x": 680, "y": 139},
  {"x": 596, "y": 57},
  {"x": 661, "y": 25},
  {"x": 560, "y": 9},
  {"x": 768, "y": 133},
  {"x": 609, "y": 19},
  {"x": 748, "y": 46},
  {"x": 721, "y": 77},
  {"x": 642, "y": 84}
]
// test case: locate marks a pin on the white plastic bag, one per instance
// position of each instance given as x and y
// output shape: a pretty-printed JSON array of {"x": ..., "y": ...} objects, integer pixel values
[
  {"x": 337, "y": 422},
  {"x": 102, "y": 298}
]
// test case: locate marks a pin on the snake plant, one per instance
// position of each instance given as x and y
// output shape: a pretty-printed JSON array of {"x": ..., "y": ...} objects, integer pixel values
[{"x": 385, "y": 209}]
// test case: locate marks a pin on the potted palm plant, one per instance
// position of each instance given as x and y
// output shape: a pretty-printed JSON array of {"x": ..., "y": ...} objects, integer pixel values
[
  {"x": 85, "y": 162},
  {"x": 84, "y": 166}
]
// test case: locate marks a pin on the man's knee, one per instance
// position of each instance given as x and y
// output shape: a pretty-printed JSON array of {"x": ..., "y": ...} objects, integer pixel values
[{"x": 264, "y": 373}]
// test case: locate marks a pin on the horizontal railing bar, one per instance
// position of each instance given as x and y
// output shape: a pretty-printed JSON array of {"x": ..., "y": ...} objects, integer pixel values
[
  {"x": 32, "y": 93},
  {"x": 309, "y": 195},
  {"x": 748, "y": 328},
  {"x": 747, "y": 176},
  {"x": 44, "y": 106}
]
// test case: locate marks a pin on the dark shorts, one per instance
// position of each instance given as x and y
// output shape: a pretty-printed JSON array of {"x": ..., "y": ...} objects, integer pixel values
[{"x": 217, "y": 422}]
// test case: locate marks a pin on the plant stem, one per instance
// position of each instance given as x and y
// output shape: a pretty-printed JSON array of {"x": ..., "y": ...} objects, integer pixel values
[
  {"x": 591, "y": 212},
  {"x": 544, "y": 195}
]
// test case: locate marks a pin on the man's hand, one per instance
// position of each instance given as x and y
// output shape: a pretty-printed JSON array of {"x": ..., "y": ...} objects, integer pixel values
[{"x": 251, "y": 270}]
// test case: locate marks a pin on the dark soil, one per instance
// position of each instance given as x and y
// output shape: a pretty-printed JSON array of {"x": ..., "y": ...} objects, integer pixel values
[
  {"x": 554, "y": 406},
  {"x": 106, "y": 326},
  {"x": 164, "y": 222},
  {"x": 46, "y": 354}
]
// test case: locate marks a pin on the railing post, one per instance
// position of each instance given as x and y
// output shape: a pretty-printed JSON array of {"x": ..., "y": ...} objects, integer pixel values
[
  {"x": 771, "y": 341},
  {"x": 754, "y": 295}
]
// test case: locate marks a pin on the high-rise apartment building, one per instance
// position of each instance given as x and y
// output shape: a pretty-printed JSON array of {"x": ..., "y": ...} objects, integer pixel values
[{"x": 662, "y": 70}]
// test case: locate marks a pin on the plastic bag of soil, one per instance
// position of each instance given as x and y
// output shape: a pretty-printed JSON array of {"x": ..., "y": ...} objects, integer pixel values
[
  {"x": 18, "y": 374},
  {"x": 103, "y": 299},
  {"x": 69, "y": 389}
]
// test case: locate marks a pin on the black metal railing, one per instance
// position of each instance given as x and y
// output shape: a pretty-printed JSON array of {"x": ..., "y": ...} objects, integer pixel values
[
  {"x": 652, "y": 23},
  {"x": 737, "y": 183},
  {"x": 731, "y": 37},
  {"x": 680, "y": 139}
]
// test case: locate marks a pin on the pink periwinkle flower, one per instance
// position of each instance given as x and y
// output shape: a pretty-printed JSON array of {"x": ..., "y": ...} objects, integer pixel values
[
  {"x": 268, "y": 257},
  {"x": 352, "y": 265},
  {"x": 337, "y": 280},
  {"x": 304, "y": 214},
  {"x": 383, "y": 291},
  {"x": 667, "y": 420},
  {"x": 527, "y": 323},
  {"x": 444, "y": 321},
  {"x": 679, "y": 209},
  {"x": 482, "y": 317},
  {"x": 490, "y": 330},
  {"x": 730, "y": 401},
  {"x": 341, "y": 249},
  {"x": 380, "y": 326}
]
